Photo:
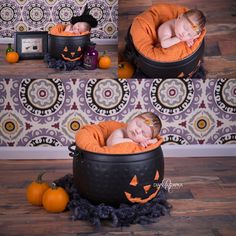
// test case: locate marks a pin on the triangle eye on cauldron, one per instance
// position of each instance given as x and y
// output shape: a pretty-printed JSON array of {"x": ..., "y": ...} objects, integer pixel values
[
  {"x": 134, "y": 181},
  {"x": 66, "y": 49},
  {"x": 156, "y": 176}
]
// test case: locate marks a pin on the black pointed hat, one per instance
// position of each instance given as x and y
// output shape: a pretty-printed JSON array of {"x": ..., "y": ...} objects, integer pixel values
[{"x": 85, "y": 17}]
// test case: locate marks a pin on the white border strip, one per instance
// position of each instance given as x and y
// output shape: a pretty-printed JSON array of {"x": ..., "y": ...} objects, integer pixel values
[
  {"x": 105, "y": 41},
  {"x": 6, "y": 40},
  {"x": 97, "y": 41},
  {"x": 34, "y": 153},
  {"x": 205, "y": 150}
]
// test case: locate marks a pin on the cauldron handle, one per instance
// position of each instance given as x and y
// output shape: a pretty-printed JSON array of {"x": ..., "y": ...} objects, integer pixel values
[{"x": 74, "y": 152}]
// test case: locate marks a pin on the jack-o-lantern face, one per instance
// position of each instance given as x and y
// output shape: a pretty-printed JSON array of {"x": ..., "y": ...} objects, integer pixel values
[
  {"x": 72, "y": 55},
  {"x": 149, "y": 189}
]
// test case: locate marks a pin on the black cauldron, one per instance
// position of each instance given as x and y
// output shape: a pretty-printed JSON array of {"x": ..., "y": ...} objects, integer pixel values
[
  {"x": 68, "y": 48},
  {"x": 113, "y": 179},
  {"x": 154, "y": 69}
]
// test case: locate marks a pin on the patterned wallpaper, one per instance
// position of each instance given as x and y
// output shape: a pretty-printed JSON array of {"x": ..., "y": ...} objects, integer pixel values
[
  {"x": 39, "y": 15},
  {"x": 49, "y": 112}
]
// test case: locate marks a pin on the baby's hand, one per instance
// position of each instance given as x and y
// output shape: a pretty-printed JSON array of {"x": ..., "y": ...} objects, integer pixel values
[
  {"x": 68, "y": 28},
  {"x": 148, "y": 142},
  {"x": 190, "y": 42}
]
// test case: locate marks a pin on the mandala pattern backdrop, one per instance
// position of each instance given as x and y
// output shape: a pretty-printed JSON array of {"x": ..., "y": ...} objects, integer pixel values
[
  {"x": 50, "y": 112},
  {"x": 40, "y": 15}
]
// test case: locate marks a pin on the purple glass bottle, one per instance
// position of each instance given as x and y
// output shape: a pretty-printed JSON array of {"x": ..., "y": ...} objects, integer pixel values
[{"x": 91, "y": 57}]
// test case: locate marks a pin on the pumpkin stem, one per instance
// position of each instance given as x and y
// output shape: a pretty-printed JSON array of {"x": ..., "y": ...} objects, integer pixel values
[
  {"x": 54, "y": 186},
  {"x": 39, "y": 178},
  {"x": 104, "y": 53},
  {"x": 121, "y": 65}
]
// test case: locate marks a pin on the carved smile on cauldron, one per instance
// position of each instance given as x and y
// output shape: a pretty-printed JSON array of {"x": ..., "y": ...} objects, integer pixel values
[
  {"x": 150, "y": 193},
  {"x": 72, "y": 55}
]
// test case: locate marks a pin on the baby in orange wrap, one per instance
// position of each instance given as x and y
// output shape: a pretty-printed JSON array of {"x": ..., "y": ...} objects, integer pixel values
[
  {"x": 142, "y": 129},
  {"x": 186, "y": 28},
  {"x": 79, "y": 25}
]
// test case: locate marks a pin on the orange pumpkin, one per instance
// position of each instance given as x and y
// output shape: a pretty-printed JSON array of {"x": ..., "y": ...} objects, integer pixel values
[
  {"x": 104, "y": 61},
  {"x": 12, "y": 57},
  {"x": 125, "y": 70},
  {"x": 36, "y": 190},
  {"x": 149, "y": 190},
  {"x": 55, "y": 199}
]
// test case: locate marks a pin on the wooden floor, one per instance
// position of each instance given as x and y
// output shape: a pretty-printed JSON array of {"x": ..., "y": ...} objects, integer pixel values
[
  {"x": 205, "y": 205},
  {"x": 39, "y": 69},
  {"x": 220, "y": 52}
]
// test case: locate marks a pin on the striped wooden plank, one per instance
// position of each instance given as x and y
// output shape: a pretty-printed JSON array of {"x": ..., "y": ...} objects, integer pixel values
[{"x": 204, "y": 205}]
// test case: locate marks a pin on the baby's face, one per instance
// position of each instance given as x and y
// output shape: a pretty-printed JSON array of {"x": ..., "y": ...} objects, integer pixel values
[
  {"x": 184, "y": 30},
  {"x": 138, "y": 130},
  {"x": 79, "y": 27}
]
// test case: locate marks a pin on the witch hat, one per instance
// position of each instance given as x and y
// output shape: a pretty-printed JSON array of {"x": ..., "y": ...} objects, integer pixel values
[{"x": 85, "y": 17}]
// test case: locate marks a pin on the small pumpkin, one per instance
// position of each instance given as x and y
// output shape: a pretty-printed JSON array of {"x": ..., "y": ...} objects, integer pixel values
[
  {"x": 36, "y": 190},
  {"x": 125, "y": 70},
  {"x": 104, "y": 61},
  {"x": 55, "y": 199},
  {"x": 12, "y": 57}
]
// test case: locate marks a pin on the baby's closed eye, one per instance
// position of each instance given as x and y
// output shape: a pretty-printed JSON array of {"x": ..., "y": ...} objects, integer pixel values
[{"x": 144, "y": 134}]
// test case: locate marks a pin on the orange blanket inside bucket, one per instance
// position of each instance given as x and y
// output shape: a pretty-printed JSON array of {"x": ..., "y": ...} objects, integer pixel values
[
  {"x": 59, "y": 30},
  {"x": 144, "y": 34},
  {"x": 93, "y": 138}
]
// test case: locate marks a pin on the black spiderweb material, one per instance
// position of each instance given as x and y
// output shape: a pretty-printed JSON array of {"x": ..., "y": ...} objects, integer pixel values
[
  {"x": 124, "y": 215},
  {"x": 63, "y": 65}
]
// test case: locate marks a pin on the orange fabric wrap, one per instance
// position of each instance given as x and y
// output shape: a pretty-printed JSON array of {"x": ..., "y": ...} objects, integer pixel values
[
  {"x": 58, "y": 30},
  {"x": 93, "y": 138},
  {"x": 145, "y": 38}
]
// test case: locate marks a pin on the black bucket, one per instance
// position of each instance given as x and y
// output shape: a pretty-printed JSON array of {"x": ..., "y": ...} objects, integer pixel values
[
  {"x": 114, "y": 179},
  {"x": 68, "y": 48},
  {"x": 153, "y": 69}
]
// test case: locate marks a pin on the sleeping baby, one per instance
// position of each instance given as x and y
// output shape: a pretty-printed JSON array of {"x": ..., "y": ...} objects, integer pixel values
[
  {"x": 78, "y": 28},
  {"x": 81, "y": 24},
  {"x": 142, "y": 129},
  {"x": 186, "y": 28},
  {"x": 78, "y": 25}
]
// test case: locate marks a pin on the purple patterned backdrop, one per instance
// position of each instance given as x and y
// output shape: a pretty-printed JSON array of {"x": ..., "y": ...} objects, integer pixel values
[
  {"x": 38, "y": 15},
  {"x": 49, "y": 112}
]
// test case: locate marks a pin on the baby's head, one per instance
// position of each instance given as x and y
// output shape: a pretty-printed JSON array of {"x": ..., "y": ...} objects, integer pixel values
[
  {"x": 84, "y": 22},
  {"x": 81, "y": 27},
  {"x": 143, "y": 127},
  {"x": 190, "y": 24}
]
